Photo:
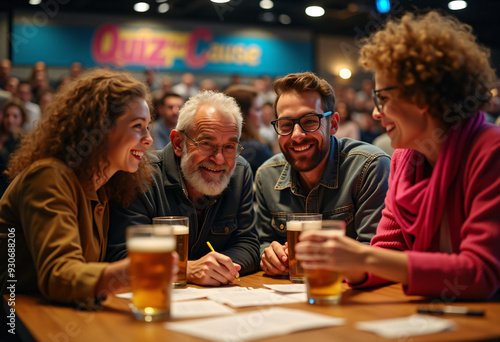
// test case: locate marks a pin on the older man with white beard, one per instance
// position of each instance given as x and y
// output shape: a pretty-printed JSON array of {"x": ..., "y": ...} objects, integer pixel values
[{"x": 201, "y": 175}]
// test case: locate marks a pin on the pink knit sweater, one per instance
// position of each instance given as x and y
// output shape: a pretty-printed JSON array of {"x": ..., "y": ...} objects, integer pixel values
[{"x": 472, "y": 205}]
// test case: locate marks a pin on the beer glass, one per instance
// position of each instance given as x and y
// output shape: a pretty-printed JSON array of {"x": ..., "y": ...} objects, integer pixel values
[
  {"x": 180, "y": 229},
  {"x": 324, "y": 285},
  {"x": 295, "y": 224},
  {"x": 150, "y": 250}
]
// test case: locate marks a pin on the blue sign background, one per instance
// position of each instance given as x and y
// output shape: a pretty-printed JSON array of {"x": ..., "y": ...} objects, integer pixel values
[{"x": 63, "y": 45}]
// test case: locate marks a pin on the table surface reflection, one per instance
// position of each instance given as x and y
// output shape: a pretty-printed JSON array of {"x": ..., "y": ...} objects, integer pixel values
[{"x": 40, "y": 320}]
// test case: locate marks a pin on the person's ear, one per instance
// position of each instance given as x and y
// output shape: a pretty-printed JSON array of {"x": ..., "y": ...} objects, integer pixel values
[
  {"x": 334, "y": 123},
  {"x": 176, "y": 140}
]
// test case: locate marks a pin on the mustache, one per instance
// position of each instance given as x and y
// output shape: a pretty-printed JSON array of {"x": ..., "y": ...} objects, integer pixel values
[{"x": 213, "y": 166}]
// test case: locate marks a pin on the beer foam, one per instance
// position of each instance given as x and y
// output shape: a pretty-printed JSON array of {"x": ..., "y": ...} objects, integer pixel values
[
  {"x": 294, "y": 226},
  {"x": 311, "y": 225},
  {"x": 297, "y": 225},
  {"x": 180, "y": 230},
  {"x": 151, "y": 245}
]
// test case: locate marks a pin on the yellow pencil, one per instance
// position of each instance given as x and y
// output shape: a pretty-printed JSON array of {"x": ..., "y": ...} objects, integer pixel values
[
  {"x": 210, "y": 246},
  {"x": 213, "y": 250}
]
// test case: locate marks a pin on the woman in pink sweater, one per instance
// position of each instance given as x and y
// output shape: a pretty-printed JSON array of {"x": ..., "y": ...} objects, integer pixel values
[{"x": 440, "y": 231}]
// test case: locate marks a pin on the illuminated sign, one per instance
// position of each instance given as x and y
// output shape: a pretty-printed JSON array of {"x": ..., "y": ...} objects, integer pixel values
[{"x": 137, "y": 48}]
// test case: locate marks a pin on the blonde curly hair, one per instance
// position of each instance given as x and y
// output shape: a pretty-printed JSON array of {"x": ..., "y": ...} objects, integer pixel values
[
  {"x": 436, "y": 60},
  {"x": 78, "y": 121}
]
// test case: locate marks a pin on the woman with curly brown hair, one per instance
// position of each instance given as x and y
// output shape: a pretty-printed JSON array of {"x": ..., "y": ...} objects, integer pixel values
[
  {"x": 91, "y": 148},
  {"x": 439, "y": 233}
]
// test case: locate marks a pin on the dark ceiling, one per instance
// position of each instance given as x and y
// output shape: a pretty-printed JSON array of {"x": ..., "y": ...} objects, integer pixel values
[{"x": 342, "y": 17}]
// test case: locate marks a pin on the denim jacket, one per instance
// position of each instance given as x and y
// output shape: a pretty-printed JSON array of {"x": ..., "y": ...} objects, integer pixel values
[
  {"x": 352, "y": 189},
  {"x": 229, "y": 218}
]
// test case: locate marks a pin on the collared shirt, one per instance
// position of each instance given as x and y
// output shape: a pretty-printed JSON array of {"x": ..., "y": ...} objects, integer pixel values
[
  {"x": 228, "y": 219},
  {"x": 352, "y": 188}
]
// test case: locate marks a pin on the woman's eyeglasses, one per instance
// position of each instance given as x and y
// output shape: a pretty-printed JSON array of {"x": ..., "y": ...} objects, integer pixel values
[{"x": 376, "y": 97}]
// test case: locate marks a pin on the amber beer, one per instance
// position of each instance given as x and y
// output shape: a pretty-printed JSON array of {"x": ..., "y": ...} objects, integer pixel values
[
  {"x": 293, "y": 230},
  {"x": 151, "y": 275},
  {"x": 181, "y": 234},
  {"x": 180, "y": 228},
  {"x": 324, "y": 285},
  {"x": 296, "y": 223}
]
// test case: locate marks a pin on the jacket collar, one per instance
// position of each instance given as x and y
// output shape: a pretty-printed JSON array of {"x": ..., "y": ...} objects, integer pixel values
[{"x": 329, "y": 178}]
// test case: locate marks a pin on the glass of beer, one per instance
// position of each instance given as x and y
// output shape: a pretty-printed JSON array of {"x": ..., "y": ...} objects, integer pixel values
[
  {"x": 150, "y": 250},
  {"x": 180, "y": 229},
  {"x": 324, "y": 285},
  {"x": 295, "y": 224}
]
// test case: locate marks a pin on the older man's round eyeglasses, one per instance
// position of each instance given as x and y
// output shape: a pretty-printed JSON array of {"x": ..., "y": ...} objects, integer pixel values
[
  {"x": 379, "y": 100},
  {"x": 206, "y": 148},
  {"x": 308, "y": 123}
]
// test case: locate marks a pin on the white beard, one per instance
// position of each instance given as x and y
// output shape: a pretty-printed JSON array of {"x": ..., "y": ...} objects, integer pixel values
[{"x": 196, "y": 179}]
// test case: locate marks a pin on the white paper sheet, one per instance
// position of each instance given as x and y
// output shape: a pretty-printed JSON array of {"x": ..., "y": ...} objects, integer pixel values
[
  {"x": 254, "y": 324},
  {"x": 407, "y": 326},
  {"x": 198, "y": 308},
  {"x": 287, "y": 288},
  {"x": 257, "y": 297}
]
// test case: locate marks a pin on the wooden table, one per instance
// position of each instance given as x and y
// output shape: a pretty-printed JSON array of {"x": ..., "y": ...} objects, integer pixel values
[{"x": 39, "y": 320}]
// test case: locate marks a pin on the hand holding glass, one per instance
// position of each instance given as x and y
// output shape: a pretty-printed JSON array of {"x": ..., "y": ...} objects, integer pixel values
[{"x": 324, "y": 285}]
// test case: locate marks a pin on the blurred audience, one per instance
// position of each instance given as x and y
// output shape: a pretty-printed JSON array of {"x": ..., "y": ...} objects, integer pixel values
[
  {"x": 34, "y": 113},
  {"x": 45, "y": 99},
  {"x": 266, "y": 130},
  {"x": 347, "y": 127},
  {"x": 209, "y": 84},
  {"x": 255, "y": 150},
  {"x": 12, "y": 85},
  {"x": 5, "y": 72},
  {"x": 150, "y": 80},
  {"x": 168, "y": 114},
  {"x": 187, "y": 87},
  {"x": 12, "y": 117}
]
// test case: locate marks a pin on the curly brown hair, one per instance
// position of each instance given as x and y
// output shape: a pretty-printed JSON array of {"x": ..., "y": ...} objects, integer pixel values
[
  {"x": 436, "y": 60},
  {"x": 304, "y": 82},
  {"x": 76, "y": 130}
]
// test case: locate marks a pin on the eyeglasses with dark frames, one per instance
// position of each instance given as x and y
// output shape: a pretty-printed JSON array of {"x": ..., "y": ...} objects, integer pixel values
[
  {"x": 376, "y": 97},
  {"x": 206, "y": 148},
  {"x": 308, "y": 123}
]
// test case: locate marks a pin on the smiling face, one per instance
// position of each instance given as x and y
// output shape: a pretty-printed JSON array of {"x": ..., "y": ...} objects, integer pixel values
[
  {"x": 305, "y": 150},
  {"x": 207, "y": 175},
  {"x": 129, "y": 138},
  {"x": 404, "y": 122}
]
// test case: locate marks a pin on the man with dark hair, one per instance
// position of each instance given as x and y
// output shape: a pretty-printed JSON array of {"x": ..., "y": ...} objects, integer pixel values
[
  {"x": 343, "y": 179},
  {"x": 168, "y": 114}
]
